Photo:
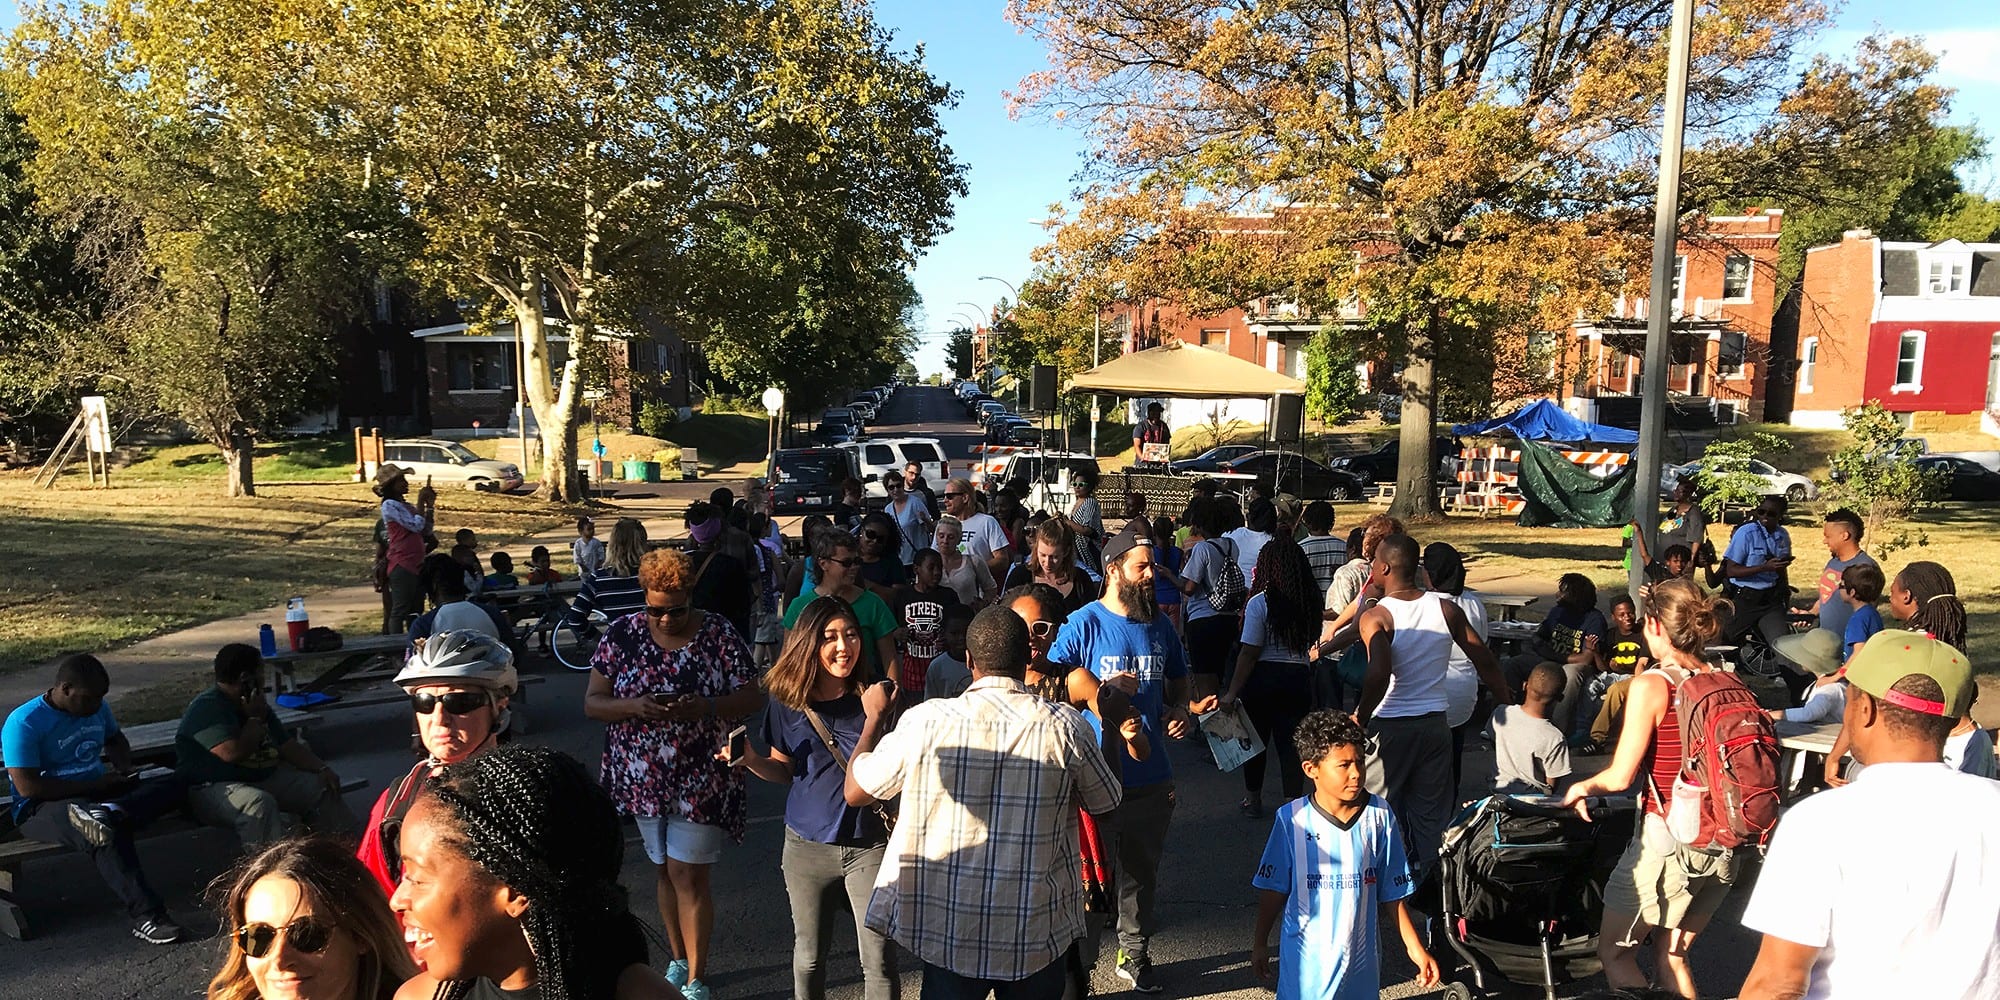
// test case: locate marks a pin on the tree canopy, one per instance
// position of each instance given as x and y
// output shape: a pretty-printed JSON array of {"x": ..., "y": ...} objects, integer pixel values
[{"x": 1470, "y": 172}]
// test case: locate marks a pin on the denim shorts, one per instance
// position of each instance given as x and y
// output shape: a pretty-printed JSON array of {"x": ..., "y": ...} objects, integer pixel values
[{"x": 682, "y": 840}]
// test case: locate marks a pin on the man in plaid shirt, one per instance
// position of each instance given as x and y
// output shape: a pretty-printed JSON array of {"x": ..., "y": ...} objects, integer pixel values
[{"x": 982, "y": 880}]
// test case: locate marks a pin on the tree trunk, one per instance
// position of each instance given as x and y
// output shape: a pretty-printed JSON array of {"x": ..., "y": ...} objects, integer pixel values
[
  {"x": 238, "y": 449},
  {"x": 553, "y": 400},
  {"x": 1416, "y": 471}
]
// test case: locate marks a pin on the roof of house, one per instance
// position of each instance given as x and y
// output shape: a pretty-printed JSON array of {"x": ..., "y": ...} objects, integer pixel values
[{"x": 1902, "y": 267}]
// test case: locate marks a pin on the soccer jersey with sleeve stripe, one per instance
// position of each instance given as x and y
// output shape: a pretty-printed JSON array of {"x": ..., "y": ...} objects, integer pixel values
[{"x": 1333, "y": 875}]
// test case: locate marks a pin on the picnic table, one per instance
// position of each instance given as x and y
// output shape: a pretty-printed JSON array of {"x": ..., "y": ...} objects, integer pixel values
[
  {"x": 154, "y": 741},
  {"x": 354, "y": 651},
  {"x": 1510, "y": 605},
  {"x": 1801, "y": 746},
  {"x": 1509, "y": 635}
]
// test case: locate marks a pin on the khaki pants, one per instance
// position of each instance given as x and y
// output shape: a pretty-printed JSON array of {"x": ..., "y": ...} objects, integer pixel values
[{"x": 260, "y": 812}]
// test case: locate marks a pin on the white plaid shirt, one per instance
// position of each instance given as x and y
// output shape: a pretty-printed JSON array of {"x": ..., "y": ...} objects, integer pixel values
[{"x": 983, "y": 875}]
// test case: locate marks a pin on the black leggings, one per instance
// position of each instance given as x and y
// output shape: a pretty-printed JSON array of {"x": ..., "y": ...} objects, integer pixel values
[{"x": 1277, "y": 698}]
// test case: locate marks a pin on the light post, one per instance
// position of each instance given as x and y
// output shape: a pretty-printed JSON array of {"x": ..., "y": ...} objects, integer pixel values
[
  {"x": 1011, "y": 290},
  {"x": 774, "y": 403}
]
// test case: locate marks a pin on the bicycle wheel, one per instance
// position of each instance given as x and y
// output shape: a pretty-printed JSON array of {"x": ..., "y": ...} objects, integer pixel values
[{"x": 574, "y": 644}]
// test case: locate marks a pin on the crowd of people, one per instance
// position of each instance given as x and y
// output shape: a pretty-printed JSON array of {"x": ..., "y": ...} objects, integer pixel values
[{"x": 970, "y": 707}]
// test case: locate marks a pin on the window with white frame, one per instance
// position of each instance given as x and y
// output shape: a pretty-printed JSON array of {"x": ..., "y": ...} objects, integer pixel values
[
  {"x": 1909, "y": 362},
  {"x": 1680, "y": 274},
  {"x": 1808, "y": 363},
  {"x": 1736, "y": 270},
  {"x": 1947, "y": 273}
]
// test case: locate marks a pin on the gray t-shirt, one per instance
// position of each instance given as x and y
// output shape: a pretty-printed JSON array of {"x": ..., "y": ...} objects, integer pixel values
[
  {"x": 1528, "y": 753},
  {"x": 1833, "y": 609}
]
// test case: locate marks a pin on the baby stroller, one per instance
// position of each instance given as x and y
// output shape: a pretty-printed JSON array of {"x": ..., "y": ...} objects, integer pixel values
[{"x": 1522, "y": 887}]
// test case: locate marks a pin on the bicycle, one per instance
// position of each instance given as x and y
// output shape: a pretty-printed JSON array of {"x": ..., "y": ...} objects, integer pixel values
[{"x": 570, "y": 643}]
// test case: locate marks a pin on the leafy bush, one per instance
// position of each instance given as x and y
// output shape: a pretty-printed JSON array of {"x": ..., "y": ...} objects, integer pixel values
[
  {"x": 657, "y": 418},
  {"x": 1724, "y": 479},
  {"x": 1876, "y": 476},
  {"x": 1333, "y": 390}
]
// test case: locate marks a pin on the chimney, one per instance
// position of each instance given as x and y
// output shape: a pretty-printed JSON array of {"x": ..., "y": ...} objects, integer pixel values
[{"x": 1858, "y": 234}]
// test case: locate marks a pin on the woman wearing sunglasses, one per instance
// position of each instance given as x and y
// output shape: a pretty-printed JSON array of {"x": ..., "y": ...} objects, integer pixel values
[
  {"x": 818, "y": 695},
  {"x": 670, "y": 681},
  {"x": 838, "y": 565},
  {"x": 304, "y": 921},
  {"x": 459, "y": 683},
  {"x": 511, "y": 889},
  {"x": 882, "y": 567}
]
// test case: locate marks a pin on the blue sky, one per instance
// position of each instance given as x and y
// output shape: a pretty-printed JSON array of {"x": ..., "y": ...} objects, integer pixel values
[{"x": 1017, "y": 168}]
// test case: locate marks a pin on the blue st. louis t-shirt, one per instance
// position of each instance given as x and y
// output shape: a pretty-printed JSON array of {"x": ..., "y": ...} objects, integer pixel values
[
  {"x": 41, "y": 737},
  {"x": 1107, "y": 643},
  {"x": 1333, "y": 878}
]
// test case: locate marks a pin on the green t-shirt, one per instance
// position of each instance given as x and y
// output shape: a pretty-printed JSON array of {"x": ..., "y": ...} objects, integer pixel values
[
  {"x": 212, "y": 718},
  {"x": 870, "y": 610}
]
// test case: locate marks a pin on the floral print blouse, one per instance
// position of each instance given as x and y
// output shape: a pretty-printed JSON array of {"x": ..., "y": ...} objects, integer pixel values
[{"x": 669, "y": 768}]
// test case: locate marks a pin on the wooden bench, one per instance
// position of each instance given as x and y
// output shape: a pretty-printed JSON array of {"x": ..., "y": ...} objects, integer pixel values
[
  {"x": 18, "y": 852},
  {"x": 1510, "y": 605},
  {"x": 153, "y": 742}
]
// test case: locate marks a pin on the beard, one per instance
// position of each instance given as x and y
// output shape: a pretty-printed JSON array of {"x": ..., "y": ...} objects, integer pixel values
[{"x": 1141, "y": 604}]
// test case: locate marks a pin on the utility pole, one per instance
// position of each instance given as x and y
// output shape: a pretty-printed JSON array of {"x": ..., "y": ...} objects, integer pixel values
[
  {"x": 1660, "y": 310},
  {"x": 1096, "y": 355}
]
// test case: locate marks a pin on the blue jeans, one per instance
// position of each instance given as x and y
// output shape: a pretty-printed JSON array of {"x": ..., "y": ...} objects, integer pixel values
[{"x": 941, "y": 983}]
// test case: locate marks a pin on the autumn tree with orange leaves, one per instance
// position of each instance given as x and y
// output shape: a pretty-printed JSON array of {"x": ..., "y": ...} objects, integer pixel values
[{"x": 1470, "y": 171}]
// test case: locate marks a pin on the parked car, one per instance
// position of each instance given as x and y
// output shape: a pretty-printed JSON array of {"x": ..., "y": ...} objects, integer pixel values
[
  {"x": 446, "y": 461},
  {"x": 1381, "y": 464},
  {"x": 1048, "y": 473},
  {"x": 1290, "y": 472},
  {"x": 804, "y": 480},
  {"x": 1012, "y": 428},
  {"x": 833, "y": 432},
  {"x": 845, "y": 415},
  {"x": 988, "y": 409},
  {"x": 1962, "y": 478},
  {"x": 863, "y": 405},
  {"x": 1212, "y": 459},
  {"x": 1789, "y": 485},
  {"x": 973, "y": 402},
  {"x": 878, "y": 456}
]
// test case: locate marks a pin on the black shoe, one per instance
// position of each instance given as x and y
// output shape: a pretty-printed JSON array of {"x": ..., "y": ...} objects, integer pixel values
[
  {"x": 1252, "y": 807},
  {"x": 157, "y": 930},
  {"x": 95, "y": 821},
  {"x": 1593, "y": 749},
  {"x": 1138, "y": 970}
]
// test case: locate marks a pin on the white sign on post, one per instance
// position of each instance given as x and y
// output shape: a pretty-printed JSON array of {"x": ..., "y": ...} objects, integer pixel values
[{"x": 96, "y": 425}]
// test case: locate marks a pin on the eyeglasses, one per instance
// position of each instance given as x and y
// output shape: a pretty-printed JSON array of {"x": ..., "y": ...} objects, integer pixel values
[
  {"x": 1041, "y": 629},
  {"x": 875, "y": 536},
  {"x": 454, "y": 702},
  {"x": 307, "y": 934},
  {"x": 955, "y": 493},
  {"x": 892, "y": 485},
  {"x": 676, "y": 612}
]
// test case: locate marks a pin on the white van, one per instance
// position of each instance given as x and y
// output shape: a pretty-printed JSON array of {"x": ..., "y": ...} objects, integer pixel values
[{"x": 877, "y": 456}]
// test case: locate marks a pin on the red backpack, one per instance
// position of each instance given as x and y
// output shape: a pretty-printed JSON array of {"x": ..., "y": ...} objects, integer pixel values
[{"x": 1729, "y": 758}]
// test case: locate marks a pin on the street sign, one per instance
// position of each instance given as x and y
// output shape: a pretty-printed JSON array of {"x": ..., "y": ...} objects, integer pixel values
[{"x": 774, "y": 400}]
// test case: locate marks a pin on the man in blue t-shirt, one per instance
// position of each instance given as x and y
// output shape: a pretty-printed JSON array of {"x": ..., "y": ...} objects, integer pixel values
[
  {"x": 1123, "y": 640},
  {"x": 1754, "y": 572},
  {"x": 54, "y": 748}
]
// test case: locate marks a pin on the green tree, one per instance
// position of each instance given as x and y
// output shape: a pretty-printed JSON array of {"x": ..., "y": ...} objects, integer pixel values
[
  {"x": 1468, "y": 172},
  {"x": 753, "y": 174},
  {"x": 1724, "y": 479},
  {"x": 1333, "y": 389},
  {"x": 1876, "y": 475},
  {"x": 958, "y": 353}
]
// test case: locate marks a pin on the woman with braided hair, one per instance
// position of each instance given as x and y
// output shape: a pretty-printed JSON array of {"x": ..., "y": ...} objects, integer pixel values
[
  {"x": 1273, "y": 680},
  {"x": 510, "y": 886},
  {"x": 1925, "y": 597}
]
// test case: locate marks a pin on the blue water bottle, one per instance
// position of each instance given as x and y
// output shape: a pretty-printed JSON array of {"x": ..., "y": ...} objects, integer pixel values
[{"x": 267, "y": 640}]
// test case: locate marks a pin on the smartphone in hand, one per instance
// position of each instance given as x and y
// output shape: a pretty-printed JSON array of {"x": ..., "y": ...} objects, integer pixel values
[{"x": 739, "y": 745}]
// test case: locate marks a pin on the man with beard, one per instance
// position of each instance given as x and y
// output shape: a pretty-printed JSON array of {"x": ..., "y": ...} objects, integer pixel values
[{"x": 1123, "y": 640}]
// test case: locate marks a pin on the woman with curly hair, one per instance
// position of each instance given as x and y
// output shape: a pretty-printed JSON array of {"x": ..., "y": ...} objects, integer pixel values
[
  {"x": 510, "y": 887},
  {"x": 303, "y": 918},
  {"x": 670, "y": 680},
  {"x": 1273, "y": 679}
]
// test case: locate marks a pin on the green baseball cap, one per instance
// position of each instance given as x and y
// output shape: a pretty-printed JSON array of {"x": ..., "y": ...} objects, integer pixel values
[{"x": 1893, "y": 655}]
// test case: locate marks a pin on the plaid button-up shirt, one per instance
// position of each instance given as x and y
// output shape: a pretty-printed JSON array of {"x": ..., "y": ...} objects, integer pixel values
[{"x": 983, "y": 873}]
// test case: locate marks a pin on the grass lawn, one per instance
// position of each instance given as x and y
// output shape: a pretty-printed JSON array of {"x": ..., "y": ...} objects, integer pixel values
[
  {"x": 309, "y": 459},
  {"x": 94, "y": 569}
]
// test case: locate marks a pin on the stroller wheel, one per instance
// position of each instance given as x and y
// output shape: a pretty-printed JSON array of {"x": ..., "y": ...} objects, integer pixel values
[{"x": 1458, "y": 991}]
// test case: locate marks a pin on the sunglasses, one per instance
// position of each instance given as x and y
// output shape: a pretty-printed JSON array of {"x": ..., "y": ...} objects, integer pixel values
[
  {"x": 454, "y": 702},
  {"x": 1041, "y": 629},
  {"x": 837, "y": 561},
  {"x": 676, "y": 612},
  {"x": 875, "y": 536},
  {"x": 307, "y": 934},
  {"x": 892, "y": 485},
  {"x": 956, "y": 493}
]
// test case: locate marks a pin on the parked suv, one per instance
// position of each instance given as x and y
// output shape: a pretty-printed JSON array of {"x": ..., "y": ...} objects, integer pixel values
[
  {"x": 877, "y": 456},
  {"x": 448, "y": 462},
  {"x": 804, "y": 480}
]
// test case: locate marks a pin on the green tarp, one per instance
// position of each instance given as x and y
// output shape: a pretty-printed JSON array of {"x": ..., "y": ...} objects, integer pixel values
[{"x": 1561, "y": 494}]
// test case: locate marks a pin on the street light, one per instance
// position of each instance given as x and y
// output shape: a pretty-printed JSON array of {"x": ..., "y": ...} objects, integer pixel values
[
  {"x": 774, "y": 403},
  {"x": 1010, "y": 287}
]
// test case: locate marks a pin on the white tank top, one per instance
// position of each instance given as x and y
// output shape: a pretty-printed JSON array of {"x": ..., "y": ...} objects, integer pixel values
[{"x": 1419, "y": 651}]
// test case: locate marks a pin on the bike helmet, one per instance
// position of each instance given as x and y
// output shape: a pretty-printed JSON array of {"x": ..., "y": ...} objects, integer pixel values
[{"x": 462, "y": 656}]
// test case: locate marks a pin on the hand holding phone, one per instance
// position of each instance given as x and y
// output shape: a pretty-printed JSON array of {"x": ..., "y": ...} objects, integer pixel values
[{"x": 738, "y": 747}]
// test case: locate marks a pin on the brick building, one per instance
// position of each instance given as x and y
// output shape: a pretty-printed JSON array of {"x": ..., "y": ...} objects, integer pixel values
[
  {"x": 472, "y": 384},
  {"x": 1914, "y": 325},
  {"x": 1725, "y": 293}
]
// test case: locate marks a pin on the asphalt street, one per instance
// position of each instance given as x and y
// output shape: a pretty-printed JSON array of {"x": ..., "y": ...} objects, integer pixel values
[{"x": 83, "y": 948}]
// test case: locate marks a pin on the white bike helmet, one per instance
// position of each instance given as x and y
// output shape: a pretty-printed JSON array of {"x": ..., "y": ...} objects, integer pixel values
[{"x": 463, "y": 656}]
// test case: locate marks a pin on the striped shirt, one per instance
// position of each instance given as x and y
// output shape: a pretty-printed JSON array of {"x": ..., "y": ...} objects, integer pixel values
[
  {"x": 1326, "y": 554},
  {"x": 616, "y": 596},
  {"x": 981, "y": 876},
  {"x": 1663, "y": 761},
  {"x": 1333, "y": 876}
]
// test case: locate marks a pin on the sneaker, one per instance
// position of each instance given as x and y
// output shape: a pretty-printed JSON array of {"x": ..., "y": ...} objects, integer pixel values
[
  {"x": 94, "y": 821},
  {"x": 1137, "y": 970},
  {"x": 677, "y": 972},
  {"x": 157, "y": 930},
  {"x": 1252, "y": 807},
  {"x": 695, "y": 990}
]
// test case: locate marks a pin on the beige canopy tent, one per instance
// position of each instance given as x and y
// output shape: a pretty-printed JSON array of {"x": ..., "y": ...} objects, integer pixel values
[{"x": 1178, "y": 371}]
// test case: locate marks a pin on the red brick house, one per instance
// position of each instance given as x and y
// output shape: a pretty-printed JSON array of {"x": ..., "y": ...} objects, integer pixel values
[
  {"x": 1725, "y": 293},
  {"x": 472, "y": 383},
  {"x": 1914, "y": 325}
]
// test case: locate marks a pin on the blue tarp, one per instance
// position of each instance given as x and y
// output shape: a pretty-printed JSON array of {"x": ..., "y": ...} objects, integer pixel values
[{"x": 1543, "y": 420}]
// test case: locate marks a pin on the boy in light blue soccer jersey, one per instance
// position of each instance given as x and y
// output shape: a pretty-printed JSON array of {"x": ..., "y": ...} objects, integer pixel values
[{"x": 1334, "y": 857}]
